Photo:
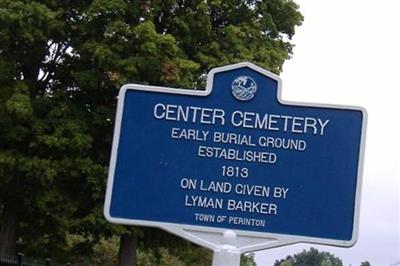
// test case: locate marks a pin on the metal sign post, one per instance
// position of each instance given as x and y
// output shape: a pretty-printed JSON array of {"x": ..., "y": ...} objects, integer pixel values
[
  {"x": 234, "y": 168},
  {"x": 228, "y": 254}
]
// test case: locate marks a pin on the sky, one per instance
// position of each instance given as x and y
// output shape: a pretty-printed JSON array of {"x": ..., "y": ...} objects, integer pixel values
[{"x": 348, "y": 53}]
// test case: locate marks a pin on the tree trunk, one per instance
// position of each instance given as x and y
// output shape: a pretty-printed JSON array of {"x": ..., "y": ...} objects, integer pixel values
[
  {"x": 127, "y": 250},
  {"x": 8, "y": 231}
]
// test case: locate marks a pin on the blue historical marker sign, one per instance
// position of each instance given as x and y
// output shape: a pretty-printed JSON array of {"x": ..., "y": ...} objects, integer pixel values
[{"x": 236, "y": 157}]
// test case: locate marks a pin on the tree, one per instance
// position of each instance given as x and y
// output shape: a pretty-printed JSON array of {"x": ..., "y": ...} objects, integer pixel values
[
  {"x": 45, "y": 146},
  {"x": 61, "y": 65},
  {"x": 311, "y": 257},
  {"x": 248, "y": 260},
  {"x": 365, "y": 263}
]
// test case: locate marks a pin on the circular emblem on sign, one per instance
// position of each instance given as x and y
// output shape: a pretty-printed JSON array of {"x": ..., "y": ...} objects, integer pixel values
[{"x": 244, "y": 88}]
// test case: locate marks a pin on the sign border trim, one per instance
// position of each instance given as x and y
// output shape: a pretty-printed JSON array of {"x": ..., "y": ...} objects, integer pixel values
[{"x": 194, "y": 233}]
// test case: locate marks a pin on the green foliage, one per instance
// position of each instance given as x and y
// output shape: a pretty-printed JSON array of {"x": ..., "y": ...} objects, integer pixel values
[
  {"x": 106, "y": 250},
  {"x": 311, "y": 257},
  {"x": 248, "y": 260},
  {"x": 61, "y": 65}
]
